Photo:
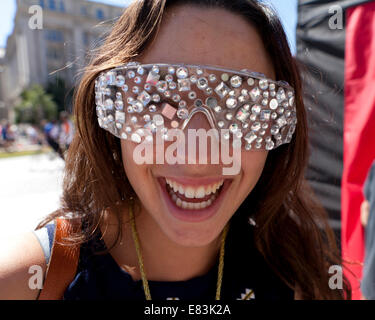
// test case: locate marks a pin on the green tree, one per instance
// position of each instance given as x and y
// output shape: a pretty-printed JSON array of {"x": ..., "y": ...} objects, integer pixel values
[
  {"x": 60, "y": 93},
  {"x": 35, "y": 106}
]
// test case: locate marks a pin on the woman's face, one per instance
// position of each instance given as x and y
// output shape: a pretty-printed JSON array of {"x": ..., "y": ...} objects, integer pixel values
[{"x": 181, "y": 199}]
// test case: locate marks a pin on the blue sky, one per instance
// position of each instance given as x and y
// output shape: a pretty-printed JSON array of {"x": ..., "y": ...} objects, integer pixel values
[{"x": 287, "y": 10}]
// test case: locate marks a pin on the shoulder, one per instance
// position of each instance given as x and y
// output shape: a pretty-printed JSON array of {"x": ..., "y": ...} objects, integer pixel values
[{"x": 21, "y": 257}]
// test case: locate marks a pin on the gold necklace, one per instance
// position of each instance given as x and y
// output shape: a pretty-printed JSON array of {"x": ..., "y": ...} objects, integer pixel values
[{"x": 140, "y": 259}]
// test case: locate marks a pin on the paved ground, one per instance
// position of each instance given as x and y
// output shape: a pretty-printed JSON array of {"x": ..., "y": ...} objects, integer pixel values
[{"x": 30, "y": 188}]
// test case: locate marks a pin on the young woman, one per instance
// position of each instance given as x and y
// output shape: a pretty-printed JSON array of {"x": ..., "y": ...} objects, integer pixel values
[{"x": 186, "y": 231}]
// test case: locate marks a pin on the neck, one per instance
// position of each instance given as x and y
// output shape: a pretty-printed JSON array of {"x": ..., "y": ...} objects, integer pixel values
[{"x": 164, "y": 260}]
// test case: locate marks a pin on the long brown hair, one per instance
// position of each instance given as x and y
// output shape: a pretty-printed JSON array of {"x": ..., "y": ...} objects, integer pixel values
[{"x": 292, "y": 232}]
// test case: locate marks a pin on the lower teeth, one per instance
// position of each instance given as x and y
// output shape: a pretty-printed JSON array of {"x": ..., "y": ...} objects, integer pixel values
[{"x": 190, "y": 205}]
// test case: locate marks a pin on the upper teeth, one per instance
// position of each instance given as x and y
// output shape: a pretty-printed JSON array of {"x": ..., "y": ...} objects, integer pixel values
[{"x": 194, "y": 191}]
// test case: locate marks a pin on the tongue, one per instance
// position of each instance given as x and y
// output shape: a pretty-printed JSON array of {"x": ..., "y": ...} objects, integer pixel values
[{"x": 193, "y": 200}]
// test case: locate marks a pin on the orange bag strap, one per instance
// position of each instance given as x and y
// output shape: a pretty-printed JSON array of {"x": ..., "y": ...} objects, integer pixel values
[{"x": 63, "y": 262}]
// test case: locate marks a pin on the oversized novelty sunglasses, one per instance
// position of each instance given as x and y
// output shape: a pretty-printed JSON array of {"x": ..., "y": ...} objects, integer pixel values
[{"x": 135, "y": 98}]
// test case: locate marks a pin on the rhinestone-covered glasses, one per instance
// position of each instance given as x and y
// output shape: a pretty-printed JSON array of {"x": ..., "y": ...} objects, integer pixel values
[{"x": 138, "y": 99}]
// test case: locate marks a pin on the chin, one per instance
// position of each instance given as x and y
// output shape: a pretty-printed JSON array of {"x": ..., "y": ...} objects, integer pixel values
[{"x": 192, "y": 235}]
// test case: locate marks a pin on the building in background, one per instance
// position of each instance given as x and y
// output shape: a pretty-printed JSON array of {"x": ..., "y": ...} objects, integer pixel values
[{"x": 59, "y": 49}]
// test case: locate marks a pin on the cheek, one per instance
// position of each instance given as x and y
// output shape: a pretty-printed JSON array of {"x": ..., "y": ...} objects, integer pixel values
[
  {"x": 136, "y": 173},
  {"x": 252, "y": 165}
]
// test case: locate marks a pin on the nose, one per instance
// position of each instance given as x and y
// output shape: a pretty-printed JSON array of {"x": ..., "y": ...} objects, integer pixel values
[
  {"x": 200, "y": 119},
  {"x": 201, "y": 143}
]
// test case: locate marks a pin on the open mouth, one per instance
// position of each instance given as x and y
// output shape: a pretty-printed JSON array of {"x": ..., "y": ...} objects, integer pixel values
[
  {"x": 191, "y": 197},
  {"x": 193, "y": 200}
]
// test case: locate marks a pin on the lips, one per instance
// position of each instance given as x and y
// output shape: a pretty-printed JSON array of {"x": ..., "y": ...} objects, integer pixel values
[
  {"x": 192, "y": 205},
  {"x": 193, "y": 200},
  {"x": 194, "y": 191}
]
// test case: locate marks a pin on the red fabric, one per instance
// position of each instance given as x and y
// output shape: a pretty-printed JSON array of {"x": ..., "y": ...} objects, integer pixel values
[{"x": 359, "y": 131}]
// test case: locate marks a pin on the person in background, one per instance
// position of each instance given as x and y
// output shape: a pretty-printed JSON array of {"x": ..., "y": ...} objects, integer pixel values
[
  {"x": 51, "y": 132},
  {"x": 32, "y": 134},
  {"x": 1, "y": 135},
  {"x": 4, "y": 133},
  {"x": 66, "y": 131},
  {"x": 7, "y": 135},
  {"x": 368, "y": 221}
]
